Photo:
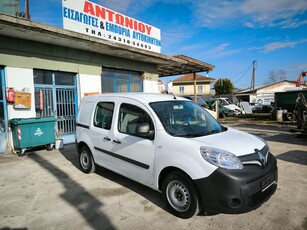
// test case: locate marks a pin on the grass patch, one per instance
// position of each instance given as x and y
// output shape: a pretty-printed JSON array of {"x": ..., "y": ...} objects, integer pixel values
[{"x": 254, "y": 117}]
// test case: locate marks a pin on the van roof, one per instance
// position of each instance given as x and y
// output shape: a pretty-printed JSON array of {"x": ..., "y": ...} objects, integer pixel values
[{"x": 139, "y": 96}]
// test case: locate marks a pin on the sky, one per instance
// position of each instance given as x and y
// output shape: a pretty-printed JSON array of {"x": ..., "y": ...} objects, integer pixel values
[{"x": 229, "y": 34}]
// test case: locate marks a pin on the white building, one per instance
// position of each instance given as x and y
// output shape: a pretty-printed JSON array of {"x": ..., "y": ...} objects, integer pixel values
[{"x": 265, "y": 94}]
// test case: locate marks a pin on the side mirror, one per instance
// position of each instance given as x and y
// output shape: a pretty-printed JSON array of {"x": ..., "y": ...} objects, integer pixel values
[{"x": 143, "y": 130}]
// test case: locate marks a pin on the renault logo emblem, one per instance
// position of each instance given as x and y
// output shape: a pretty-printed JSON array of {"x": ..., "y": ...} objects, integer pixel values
[{"x": 261, "y": 157}]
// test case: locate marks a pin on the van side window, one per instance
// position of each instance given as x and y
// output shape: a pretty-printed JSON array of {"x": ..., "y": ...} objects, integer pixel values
[
  {"x": 103, "y": 115},
  {"x": 130, "y": 116}
]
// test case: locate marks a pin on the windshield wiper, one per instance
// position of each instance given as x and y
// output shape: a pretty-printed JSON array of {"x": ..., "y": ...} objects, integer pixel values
[
  {"x": 191, "y": 134},
  {"x": 198, "y": 134},
  {"x": 213, "y": 132},
  {"x": 188, "y": 135}
]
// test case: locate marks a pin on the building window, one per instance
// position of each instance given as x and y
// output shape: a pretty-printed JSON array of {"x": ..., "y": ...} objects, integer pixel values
[
  {"x": 200, "y": 89},
  {"x": 114, "y": 80},
  {"x": 45, "y": 77},
  {"x": 181, "y": 89}
]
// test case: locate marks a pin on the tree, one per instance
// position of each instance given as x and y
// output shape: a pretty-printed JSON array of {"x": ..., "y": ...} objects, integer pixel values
[
  {"x": 223, "y": 86},
  {"x": 276, "y": 76}
]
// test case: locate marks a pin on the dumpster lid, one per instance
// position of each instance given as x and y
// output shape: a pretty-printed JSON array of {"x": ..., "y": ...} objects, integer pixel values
[{"x": 18, "y": 121}]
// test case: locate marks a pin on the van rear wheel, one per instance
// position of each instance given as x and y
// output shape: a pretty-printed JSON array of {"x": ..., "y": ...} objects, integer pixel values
[
  {"x": 86, "y": 160},
  {"x": 180, "y": 195}
]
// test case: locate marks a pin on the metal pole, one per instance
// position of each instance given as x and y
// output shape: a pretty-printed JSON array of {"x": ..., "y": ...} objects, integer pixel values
[
  {"x": 27, "y": 10},
  {"x": 194, "y": 77},
  {"x": 252, "y": 89}
]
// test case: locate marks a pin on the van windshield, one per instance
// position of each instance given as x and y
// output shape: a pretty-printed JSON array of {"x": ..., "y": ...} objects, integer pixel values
[
  {"x": 185, "y": 119},
  {"x": 224, "y": 101}
]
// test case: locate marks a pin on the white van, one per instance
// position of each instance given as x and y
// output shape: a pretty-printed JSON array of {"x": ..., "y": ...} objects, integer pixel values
[
  {"x": 174, "y": 146},
  {"x": 232, "y": 107}
]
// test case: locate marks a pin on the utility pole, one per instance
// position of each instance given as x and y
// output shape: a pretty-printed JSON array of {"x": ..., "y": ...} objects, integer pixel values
[
  {"x": 194, "y": 78},
  {"x": 252, "y": 89},
  {"x": 27, "y": 10}
]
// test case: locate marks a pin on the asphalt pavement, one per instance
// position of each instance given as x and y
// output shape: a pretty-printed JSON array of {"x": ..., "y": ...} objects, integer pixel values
[{"x": 47, "y": 190}]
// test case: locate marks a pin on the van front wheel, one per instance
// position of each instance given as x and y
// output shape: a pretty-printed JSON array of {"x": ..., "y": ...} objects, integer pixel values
[
  {"x": 180, "y": 195},
  {"x": 86, "y": 160}
]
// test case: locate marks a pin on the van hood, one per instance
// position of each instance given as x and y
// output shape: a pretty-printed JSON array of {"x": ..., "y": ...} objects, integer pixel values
[{"x": 237, "y": 142}]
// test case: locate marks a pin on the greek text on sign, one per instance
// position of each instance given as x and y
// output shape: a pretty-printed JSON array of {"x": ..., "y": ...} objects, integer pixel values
[{"x": 92, "y": 19}]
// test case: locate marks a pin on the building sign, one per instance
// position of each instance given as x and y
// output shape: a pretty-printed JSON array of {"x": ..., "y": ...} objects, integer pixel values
[
  {"x": 10, "y": 7},
  {"x": 22, "y": 100},
  {"x": 92, "y": 19}
]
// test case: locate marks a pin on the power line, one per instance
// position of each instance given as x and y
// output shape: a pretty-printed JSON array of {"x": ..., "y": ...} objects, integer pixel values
[{"x": 243, "y": 73}]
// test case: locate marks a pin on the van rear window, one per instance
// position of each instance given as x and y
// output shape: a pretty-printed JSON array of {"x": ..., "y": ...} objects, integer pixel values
[{"x": 103, "y": 115}]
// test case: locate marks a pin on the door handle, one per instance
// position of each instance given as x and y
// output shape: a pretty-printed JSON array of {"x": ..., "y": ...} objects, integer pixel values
[
  {"x": 116, "y": 141},
  {"x": 107, "y": 138}
]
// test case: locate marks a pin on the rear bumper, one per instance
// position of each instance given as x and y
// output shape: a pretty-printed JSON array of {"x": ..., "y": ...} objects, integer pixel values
[{"x": 238, "y": 191}]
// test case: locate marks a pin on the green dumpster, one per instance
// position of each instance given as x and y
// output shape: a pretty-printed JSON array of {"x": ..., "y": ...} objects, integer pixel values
[{"x": 31, "y": 132}]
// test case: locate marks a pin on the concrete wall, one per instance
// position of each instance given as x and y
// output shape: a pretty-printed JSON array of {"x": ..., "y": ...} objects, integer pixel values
[
  {"x": 89, "y": 84},
  {"x": 150, "y": 86},
  {"x": 29, "y": 54},
  {"x": 20, "y": 79},
  {"x": 20, "y": 57}
]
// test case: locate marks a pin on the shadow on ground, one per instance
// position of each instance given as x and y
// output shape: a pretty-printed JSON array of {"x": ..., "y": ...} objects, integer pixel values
[
  {"x": 295, "y": 156},
  {"x": 70, "y": 153},
  {"x": 77, "y": 196}
]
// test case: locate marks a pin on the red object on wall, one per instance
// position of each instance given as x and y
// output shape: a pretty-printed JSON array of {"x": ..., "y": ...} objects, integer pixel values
[
  {"x": 41, "y": 100},
  {"x": 10, "y": 95}
]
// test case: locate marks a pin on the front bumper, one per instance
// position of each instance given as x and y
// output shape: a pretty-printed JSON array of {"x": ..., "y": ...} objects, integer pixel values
[{"x": 238, "y": 191}]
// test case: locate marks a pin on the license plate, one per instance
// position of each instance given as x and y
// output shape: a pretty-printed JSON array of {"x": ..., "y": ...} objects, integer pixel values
[{"x": 267, "y": 182}]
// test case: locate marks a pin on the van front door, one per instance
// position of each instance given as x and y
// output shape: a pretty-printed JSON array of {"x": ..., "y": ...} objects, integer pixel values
[{"x": 134, "y": 155}]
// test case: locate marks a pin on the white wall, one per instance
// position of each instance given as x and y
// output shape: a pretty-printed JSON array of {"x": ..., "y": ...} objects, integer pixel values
[
  {"x": 19, "y": 79},
  {"x": 150, "y": 86},
  {"x": 92, "y": 84},
  {"x": 89, "y": 84}
]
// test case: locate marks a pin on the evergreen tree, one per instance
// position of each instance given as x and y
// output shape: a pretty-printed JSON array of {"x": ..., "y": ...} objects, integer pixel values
[{"x": 223, "y": 86}]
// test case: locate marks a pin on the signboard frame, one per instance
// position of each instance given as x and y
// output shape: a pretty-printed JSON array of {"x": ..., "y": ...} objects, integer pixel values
[{"x": 98, "y": 21}]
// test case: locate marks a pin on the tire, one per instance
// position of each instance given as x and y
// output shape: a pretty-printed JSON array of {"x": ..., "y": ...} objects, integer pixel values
[
  {"x": 21, "y": 152},
  {"x": 86, "y": 160},
  {"x": 180, "y": 195},
  {"x": 50, "y": 147},
  {"x": 222, "y": 115}
]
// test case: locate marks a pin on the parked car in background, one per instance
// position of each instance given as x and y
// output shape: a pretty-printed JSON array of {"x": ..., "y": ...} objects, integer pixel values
[
  {"x": 226, "y": 103},
  {"x": 261, "y": 108},
  {"x": 222, "y": 110}
]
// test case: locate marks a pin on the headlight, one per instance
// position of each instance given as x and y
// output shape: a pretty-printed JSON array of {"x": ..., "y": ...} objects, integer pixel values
[{"x": 221, "y": 158}]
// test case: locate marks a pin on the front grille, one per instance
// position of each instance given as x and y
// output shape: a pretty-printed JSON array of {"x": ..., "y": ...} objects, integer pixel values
[
  {"x": 265, "y": 191},
  {"x": 267, "y": 182},
  {"x": 259, "y": 157}
]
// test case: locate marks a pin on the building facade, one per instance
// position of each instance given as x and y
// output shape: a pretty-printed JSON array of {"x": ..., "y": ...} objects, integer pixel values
[
  {"x": 185, "y": 85},
  {"x": 52, "y": 69},
  {"x": 265, "y": 94}
]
